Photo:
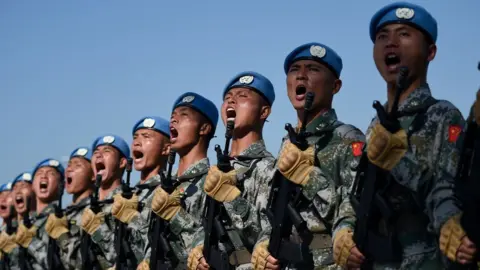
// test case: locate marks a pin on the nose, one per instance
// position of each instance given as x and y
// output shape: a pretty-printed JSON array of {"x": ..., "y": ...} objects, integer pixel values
[{"x": 302, "y": 74}]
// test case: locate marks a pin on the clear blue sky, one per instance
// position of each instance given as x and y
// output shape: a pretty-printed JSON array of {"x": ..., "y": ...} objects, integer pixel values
[{"x": 73, "y": 70}]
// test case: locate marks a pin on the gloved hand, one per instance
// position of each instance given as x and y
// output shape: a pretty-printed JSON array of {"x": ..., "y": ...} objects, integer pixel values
[
  {"x": 125, "y": 209},
  {"x": 196, "y": 260},
  {"x": 345, "y": 252},
  {"x": 24, "y": 236},
  {"x": 261, "y": 258},
  {"x": 164, "y": 205},
  {"x": 91, "y": 221},
  {"x": 454, "y": 243},
  {"x": 7, "y": 242},
  {"x": 144, "y": 265},
  {"x": 296, "y": 164},
  {"x": 385, "y": 149},
  {"x": 55, "y": 226},
  {"x": 221, "y": 186}
]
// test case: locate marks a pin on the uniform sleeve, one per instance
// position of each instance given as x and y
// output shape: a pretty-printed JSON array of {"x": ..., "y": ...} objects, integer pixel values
[
  {"x": 37, "y": 251},
  {"x": 440, "y": 202},
  {"x": 138, "y": 228},
  {"x": 69, "y": 246},
  {"x": 104, "y": 238}
]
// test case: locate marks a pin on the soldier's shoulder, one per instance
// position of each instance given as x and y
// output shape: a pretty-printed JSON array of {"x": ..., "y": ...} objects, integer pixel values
[
  {"x": 349, "y": 133},
  {"x": 444, "y": 109}
]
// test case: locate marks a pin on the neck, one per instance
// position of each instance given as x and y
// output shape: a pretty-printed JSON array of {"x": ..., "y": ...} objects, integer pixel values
[
  {"x": 82, "y": 195},
  {"x": 105, "y": 190},
  {"x": 241, "y": 143},
  {"x": 186, "y": 160},
  {"x": 392, "y": 90},
  {"x": 314, "y": 113},
  {"x": 41, "y": 206},
  {"x": 151, "y": 172}
]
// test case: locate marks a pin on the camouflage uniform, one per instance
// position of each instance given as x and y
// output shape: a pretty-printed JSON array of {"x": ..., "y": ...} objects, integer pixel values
[
  {"x": 338, "y": 147},
  {"x": 185, "y": 223},
  {"x": 141, "y": 225},
  {"x": 104, "y": 236},
  {"x": 255, "y": 168},
  {"x": 424, "y": 178},
  {"x": 13, "y": 256}
]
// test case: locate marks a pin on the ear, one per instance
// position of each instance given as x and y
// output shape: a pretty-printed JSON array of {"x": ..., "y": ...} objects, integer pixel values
[
  {"x": 431, "y": 52},
  {"x": 166, "y": 149},
  {"x": 205, "y": 129},
  {"x": 337, "y": 84},
  {"x": 265, "y": 112},
  {"x": 123, "y": 163}
]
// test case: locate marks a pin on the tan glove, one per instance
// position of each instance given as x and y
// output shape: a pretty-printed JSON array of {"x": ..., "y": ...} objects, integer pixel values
[
  {"x": 342, "y": 246},
  {"x": 125, "y": 209},
  {"x": 476, "y": 108},
  {"x": 91, "y": 221},
  {"x": 260, "y": 255},
  {"x": 144, "y": 265},
  {"x": 194, "y": 257},
  {"x": 385, "y": 149},
  {"x": 451, "y": 236},
  {"x": 55, "y": 226},
  {"x": 24, "y": 236},
  {"x": 7, "y": 242},
  {"x": 221, "y": 186},
  {"x": 164, "y": 205},
  {"x": 295, "y": 164}
]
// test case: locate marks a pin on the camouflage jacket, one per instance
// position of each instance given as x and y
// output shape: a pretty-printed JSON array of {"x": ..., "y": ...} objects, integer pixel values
[
  {"x": 423, "y": 181},
  {"x": 338, "y": 148},
  {"x": 255, "y": 168},
  {"x": 10, "y": 260}
]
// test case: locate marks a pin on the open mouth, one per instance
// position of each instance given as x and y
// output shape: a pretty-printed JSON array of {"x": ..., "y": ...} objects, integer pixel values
[
  {"x": 300, "y": 92},
  {"x": 99, "y": 167},
  {"x": 137, "y": 155},
  {"x": 392, "y": 61},
  {"x": 69, "y": 180},
  {"x": 3, "y": 207},
  {"x": 173, "y": 133},
  {"x": 43, "y": 186},
  {"x": 231, "y": 114},
  {"x": 19, "y": 201}
]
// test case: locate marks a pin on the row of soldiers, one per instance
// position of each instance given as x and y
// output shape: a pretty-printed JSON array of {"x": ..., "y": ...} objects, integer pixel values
[{"x": 303, "y": 210}]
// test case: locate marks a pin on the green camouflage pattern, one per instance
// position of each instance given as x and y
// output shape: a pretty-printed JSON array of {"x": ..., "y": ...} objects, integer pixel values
[
  {"x": 13, "y": 256},
  {"x": 255, "y": 168},
  {"x": 427, "y": 172},
  {"x": 330, "y": 182}
]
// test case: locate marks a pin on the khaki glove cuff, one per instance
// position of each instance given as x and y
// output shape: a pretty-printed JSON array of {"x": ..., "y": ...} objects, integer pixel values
[
  {"x": 451, "y": 236},
  {"x": 91, "y": 221},
  {"x": 55, "y": 227},
  {"x": 7, "y": 242},
  {"x": 387, "y": 156},
  {"x": 194, "y": 257},
  {"x": 144, "y": 265},
  {"x": 24, "y": 236},
  {"x": 226, "y": 193},
  {"x": 125, "y": 209},
  {"x": 260, "y": 255},
  {"x": 342, "y": 246}
]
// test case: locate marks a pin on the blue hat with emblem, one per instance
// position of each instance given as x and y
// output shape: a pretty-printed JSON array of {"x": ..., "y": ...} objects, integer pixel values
[
  {"x": 25, "y": 176},
  {"x": 50, "y": 162},
  {"x": 113, "y": 140},
  {"x": 82, "y": 152},
  {"x": 405, "y": 13},
  {"x": 153, "y": 122},
  {"x": 6, "y": 187},
  {"x": 254, "y": 81},
  {"x": 200, "y": 104},
  {"x": 317, "y": 52}
]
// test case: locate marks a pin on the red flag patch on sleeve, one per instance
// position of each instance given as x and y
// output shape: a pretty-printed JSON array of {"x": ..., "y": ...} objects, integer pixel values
[
  {"x": 453, "y": 133},
  {"x": 357, "y": 148}
]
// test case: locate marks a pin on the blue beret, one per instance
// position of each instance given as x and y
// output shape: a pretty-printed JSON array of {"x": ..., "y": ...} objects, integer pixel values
[
  {"x": 153, "y": 122},
  {"x": 407, "y": 13},
  {"x": 82, "y": 152},
  {"x": 254, "y": 81},
  {"x": 25, "y": 176},
  {"x": 318, "y": 52},
  {"x": 113, "y": 140},
  {"x": 6, "y": 187},
  {"x": 49, "y": 162},
  {"x": 200, "y": 104}
]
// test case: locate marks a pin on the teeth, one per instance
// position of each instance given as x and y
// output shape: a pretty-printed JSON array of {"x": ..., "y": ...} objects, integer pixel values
[
  {"x": 43, "y": 183},
  {"x": 18, "y": 198},
  {"x": 230, "y": 119},
  {"x": 230, "y": 109}
]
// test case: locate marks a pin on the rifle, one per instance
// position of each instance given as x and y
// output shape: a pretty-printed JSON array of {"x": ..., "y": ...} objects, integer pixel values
[
  {"x": 368, "y": 194},
  {"x": 282, "y": 203},
  {"x": 162, "y": 256},
  {"x": 468, "y": 186},
  {"x": 53, "y": 259},
  {"x": 121, "y": 244},
  {"x": 23, "y": 256},
  {"x": 215, "y": 232},
  {"x": 89, "y": 260}
]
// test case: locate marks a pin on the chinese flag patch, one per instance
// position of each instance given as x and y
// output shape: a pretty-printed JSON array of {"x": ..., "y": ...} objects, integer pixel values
[
  {"x": 453, "y": 133},
  {"x": 357, "y": 148}
]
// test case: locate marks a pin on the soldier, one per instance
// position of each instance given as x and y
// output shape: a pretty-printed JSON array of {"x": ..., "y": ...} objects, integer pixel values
[
  {"x": 109, "y": 159},
  {"x": 150, "y": 149},
  {"x": 247, "y": 100},
  {"x": 325, "y": 170},
  {"x": 192, "y": 126},
  {"x": 8, "y": 246},
  {"x": 47, "y": 184},
  {"x": 422, "y": 157},
  {"x": 66, "y": 230}
]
